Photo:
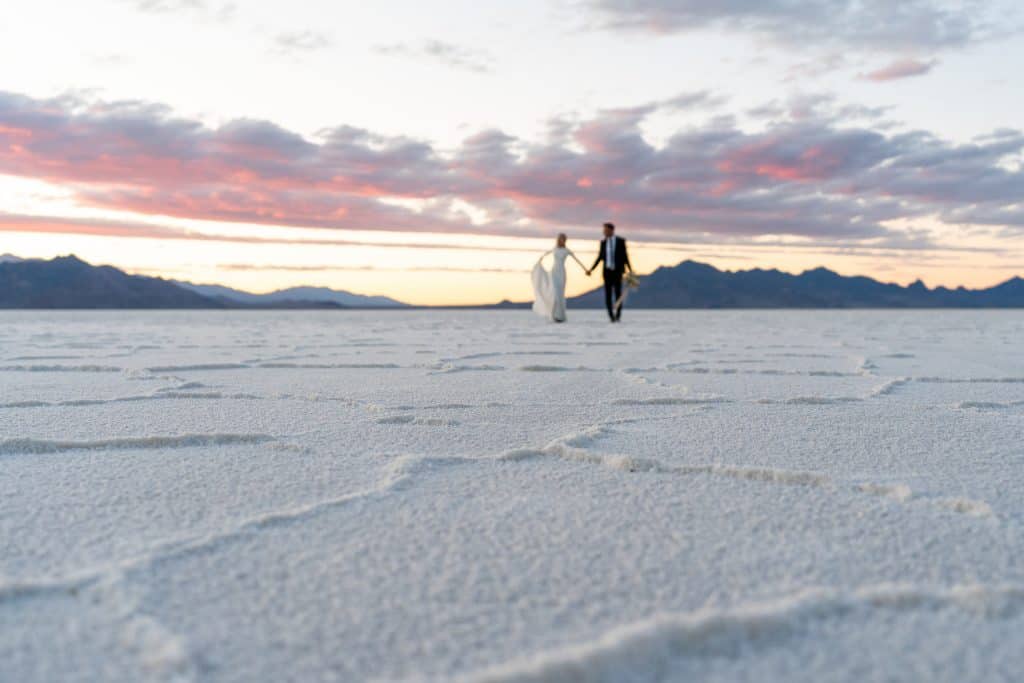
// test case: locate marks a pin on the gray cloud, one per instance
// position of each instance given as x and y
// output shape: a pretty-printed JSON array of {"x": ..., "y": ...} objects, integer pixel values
[
  {"x": 217, "y": 11},
  {"x": 449, "y": 54},
  {"x": 820, "y": 107},
  {"x": 883, "y": 25},
  {"x": 815, "y": 68},
  {"x": 61, "y": 225},
  {"x": 301, "y": 41},
  {"x": 162, "y": 6},
  {"x": 697, "y": 99}
]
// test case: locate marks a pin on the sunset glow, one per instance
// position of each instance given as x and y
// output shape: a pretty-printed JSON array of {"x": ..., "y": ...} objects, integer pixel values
[{"x": 433, "y": 159}]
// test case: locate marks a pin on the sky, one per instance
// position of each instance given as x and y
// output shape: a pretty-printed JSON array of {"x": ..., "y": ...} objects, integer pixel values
[{"x": 432, "y": 151}]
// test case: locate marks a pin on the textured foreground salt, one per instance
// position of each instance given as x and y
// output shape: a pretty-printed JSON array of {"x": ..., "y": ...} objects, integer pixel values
[{"x": 478, "y": 496}]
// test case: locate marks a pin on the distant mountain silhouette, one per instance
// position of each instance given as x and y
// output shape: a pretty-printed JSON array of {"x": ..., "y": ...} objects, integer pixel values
[
  {"x": 697, "y": 285},
  {"x": 69, "y": 282},
  {"x": 293, "y": 294}
]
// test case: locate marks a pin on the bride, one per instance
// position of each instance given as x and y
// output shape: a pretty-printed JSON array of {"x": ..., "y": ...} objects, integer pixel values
[{"x": 549, "y": 286}]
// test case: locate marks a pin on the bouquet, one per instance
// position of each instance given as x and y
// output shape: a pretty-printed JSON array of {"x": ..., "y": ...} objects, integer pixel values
[{"x": 631, "y": 281}]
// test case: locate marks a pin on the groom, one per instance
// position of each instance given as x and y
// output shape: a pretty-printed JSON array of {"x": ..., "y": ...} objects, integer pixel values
[{"x": 616, "y": 261}]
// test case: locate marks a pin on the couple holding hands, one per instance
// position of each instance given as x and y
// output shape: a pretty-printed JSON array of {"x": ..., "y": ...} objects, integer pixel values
[{"x": 549, "y": 286}]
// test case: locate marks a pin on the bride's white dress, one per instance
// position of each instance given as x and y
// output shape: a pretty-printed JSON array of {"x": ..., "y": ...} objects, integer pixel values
[{"x": 549, "y": 286}]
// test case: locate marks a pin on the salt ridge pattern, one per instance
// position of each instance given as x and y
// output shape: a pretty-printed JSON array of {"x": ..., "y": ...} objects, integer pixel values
[{"x": 477, "y": 496}]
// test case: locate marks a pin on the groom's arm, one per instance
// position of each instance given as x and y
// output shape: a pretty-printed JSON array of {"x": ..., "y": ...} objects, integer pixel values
[
  {"x": 625, "y": 257},
  {"x": 600, "y": 256}
]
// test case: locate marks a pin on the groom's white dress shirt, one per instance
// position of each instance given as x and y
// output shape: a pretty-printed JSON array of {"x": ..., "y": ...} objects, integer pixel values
[{"x": 609, "y": 253}]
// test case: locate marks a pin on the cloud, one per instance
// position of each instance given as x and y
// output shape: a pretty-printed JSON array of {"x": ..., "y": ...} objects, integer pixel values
[
  {"x": 697, "y": 99},
  {"x": 881, "y": 25},
  {"x": 62, "y": 225},
  {"x": 163, "y": 6},
  {"x": 221, "y": 12},
  {"x": 901, "y": 68},
  {"x": 451, "y": 55},
  {"x": 817, "y": 169},
  {"x": 815, "y": 68},
  {"x": 138, "y": 156},
  {"x": 301, "y": 41},
  {"x": 820, "y": 107}
]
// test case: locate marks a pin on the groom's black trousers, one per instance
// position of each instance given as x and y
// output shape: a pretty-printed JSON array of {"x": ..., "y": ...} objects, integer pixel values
[{"x": 612, "y": 291}]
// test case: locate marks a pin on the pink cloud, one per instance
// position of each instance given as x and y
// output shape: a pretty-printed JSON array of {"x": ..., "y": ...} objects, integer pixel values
[
  {"x": 59, "y": 225},
  {"x": 807, "y": 173},
  {"x": 901, "y": 68}
]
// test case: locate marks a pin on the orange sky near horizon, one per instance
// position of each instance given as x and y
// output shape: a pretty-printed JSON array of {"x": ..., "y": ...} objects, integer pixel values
[{"x": 472, "y": 273}]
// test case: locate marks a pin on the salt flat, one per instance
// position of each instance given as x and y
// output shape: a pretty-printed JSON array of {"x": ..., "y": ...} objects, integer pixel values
[{"x": 479, "y": 496}]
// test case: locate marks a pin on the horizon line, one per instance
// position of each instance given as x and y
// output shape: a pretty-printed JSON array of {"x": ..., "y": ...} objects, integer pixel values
[{"x": 10, "y": 258}]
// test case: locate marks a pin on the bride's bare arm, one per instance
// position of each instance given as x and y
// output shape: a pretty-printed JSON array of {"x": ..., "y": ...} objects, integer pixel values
[
  {"x": 549, "y": 251},
  {"x": 574, "y": 258}
]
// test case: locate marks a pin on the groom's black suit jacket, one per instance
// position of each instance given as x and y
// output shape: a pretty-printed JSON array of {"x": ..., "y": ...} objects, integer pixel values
[{"x": 621, "y": 258}]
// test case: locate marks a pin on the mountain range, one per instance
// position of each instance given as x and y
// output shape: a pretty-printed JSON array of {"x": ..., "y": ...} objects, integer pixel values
[
  {"x": 292, "y": 295},
  {"x": 697, "y": 285},
  {"x": 69, "y": 282}
]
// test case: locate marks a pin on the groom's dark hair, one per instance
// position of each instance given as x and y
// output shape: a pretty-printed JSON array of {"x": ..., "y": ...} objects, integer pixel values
[{"x": 610, "y": 226}]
